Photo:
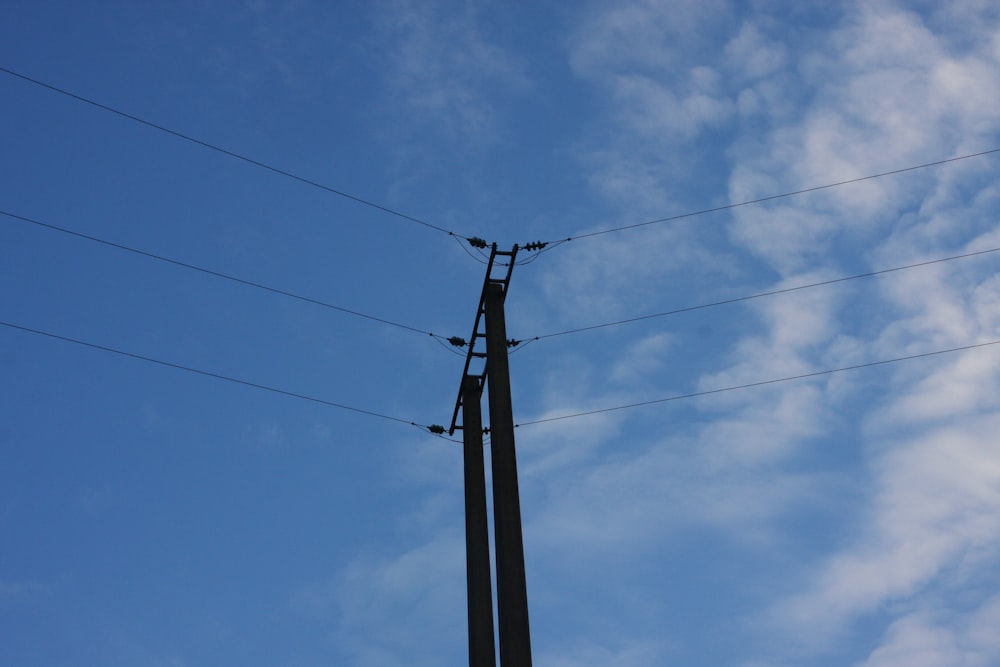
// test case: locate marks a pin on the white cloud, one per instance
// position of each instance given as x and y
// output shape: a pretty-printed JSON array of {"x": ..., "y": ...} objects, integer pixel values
[
  {"x": 645, "y": 34},
  {"x": 659, "y": 98},
  {"x": 598, "y": 280},
  {"x": 913, "y": 641},
  {"x": 652, "y": 109},
  {"x": 934, "y": 500},
  {"x": 23, "y": 593},
  {"x": 641, "y": 359},
  {"x": 888, "y": 94},
  {"x": 593, "y": 654},
  {"x": 421, "y": 590},
  {"x": 939, "y": 639},
  {"x": 753, "y": 55},
  {"x": 885, "y": 89},
  {"x": 912, "y": 491},
  {"x": 932, "y": 471},
  {"x": 445, "y": 71},
  {"x": 727, "y": 473}
]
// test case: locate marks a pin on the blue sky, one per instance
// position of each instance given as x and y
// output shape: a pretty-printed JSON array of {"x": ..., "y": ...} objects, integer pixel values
[{"x": 153, "y": 516}]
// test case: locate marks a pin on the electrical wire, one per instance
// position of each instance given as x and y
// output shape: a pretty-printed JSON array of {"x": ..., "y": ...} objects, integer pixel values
[
  {"x": 444, "y": 437},
  {"x": 761, "y": 294},
  {"x": 232, "y": 154},
  {"x": 538, "y": 253},
  {"x": 210, "y": 374},
  {"x": 219, "y": 274},
  {"x": 780, "y": 196},
  {"x": 424, "y": 223},
  {"x": 522, "y": 344},
  {"x": 758, "y": 384},
  {"x": 443, "y": 342}
]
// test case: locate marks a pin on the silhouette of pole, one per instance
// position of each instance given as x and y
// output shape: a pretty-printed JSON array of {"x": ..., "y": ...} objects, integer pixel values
[
  {"x": 482, "y": 647},
  {"x": 512, "y": 590}
]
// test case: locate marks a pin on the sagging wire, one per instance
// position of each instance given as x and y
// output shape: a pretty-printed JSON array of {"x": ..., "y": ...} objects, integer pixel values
[
  {"x": 469, "y": 252},
  {"x": 759, "y": 200},
  {"x": 546, "y": 247},
  {"x": 538, "y": 248},
  {"x": 438, "y": 431},
  {"x": 449, "y": 344},
  {"x": 521, "y": 344}
]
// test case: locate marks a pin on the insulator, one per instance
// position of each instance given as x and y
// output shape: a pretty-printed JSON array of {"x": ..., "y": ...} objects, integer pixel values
[
  {"x": 436, "y": 429},
  {"x": 457, "y": 341},
  {"x": 477, "y": 242}
]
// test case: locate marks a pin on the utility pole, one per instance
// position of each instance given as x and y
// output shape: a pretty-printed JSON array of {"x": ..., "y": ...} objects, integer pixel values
[
  {"x": 512, "y": 591},
  {"x": 482, "y": 649}
]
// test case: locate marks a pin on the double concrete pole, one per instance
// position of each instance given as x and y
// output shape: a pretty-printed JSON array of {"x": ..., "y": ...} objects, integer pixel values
[{"x": 512, "y": 590}]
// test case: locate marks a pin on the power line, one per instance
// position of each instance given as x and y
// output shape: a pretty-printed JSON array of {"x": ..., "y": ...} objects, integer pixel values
[
  {"x": 210, "y": 374},
  {"x": 219, "y": 274},
  {"x": 232, "y": 154},
  {"x": 780, "y": 196},
  {"x": 424, "y": 223},
  {"x": 758, "y": 384},
  {"x": 759, "y": 295},
  {"x": 385, "y": 209}
]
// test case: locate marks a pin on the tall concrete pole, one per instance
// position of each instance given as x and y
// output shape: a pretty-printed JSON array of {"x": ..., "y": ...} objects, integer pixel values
[
  {"x": 482, "y": 648},
  {"x": 512, "y": 590}
]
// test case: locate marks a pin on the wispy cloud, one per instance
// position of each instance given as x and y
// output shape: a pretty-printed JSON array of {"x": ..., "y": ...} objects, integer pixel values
[
  {"x": 663, "y": 91},
  {"x": 23, "y": 593},
  {"x": 934, "y": 638},
  {"x": 878, "y": 102},
  {"x": 893, "y": 470},
  {"x": 445, "y": 72},
  {"x": 934, "y": 509},
  {"x": 888, "y": 87}
]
